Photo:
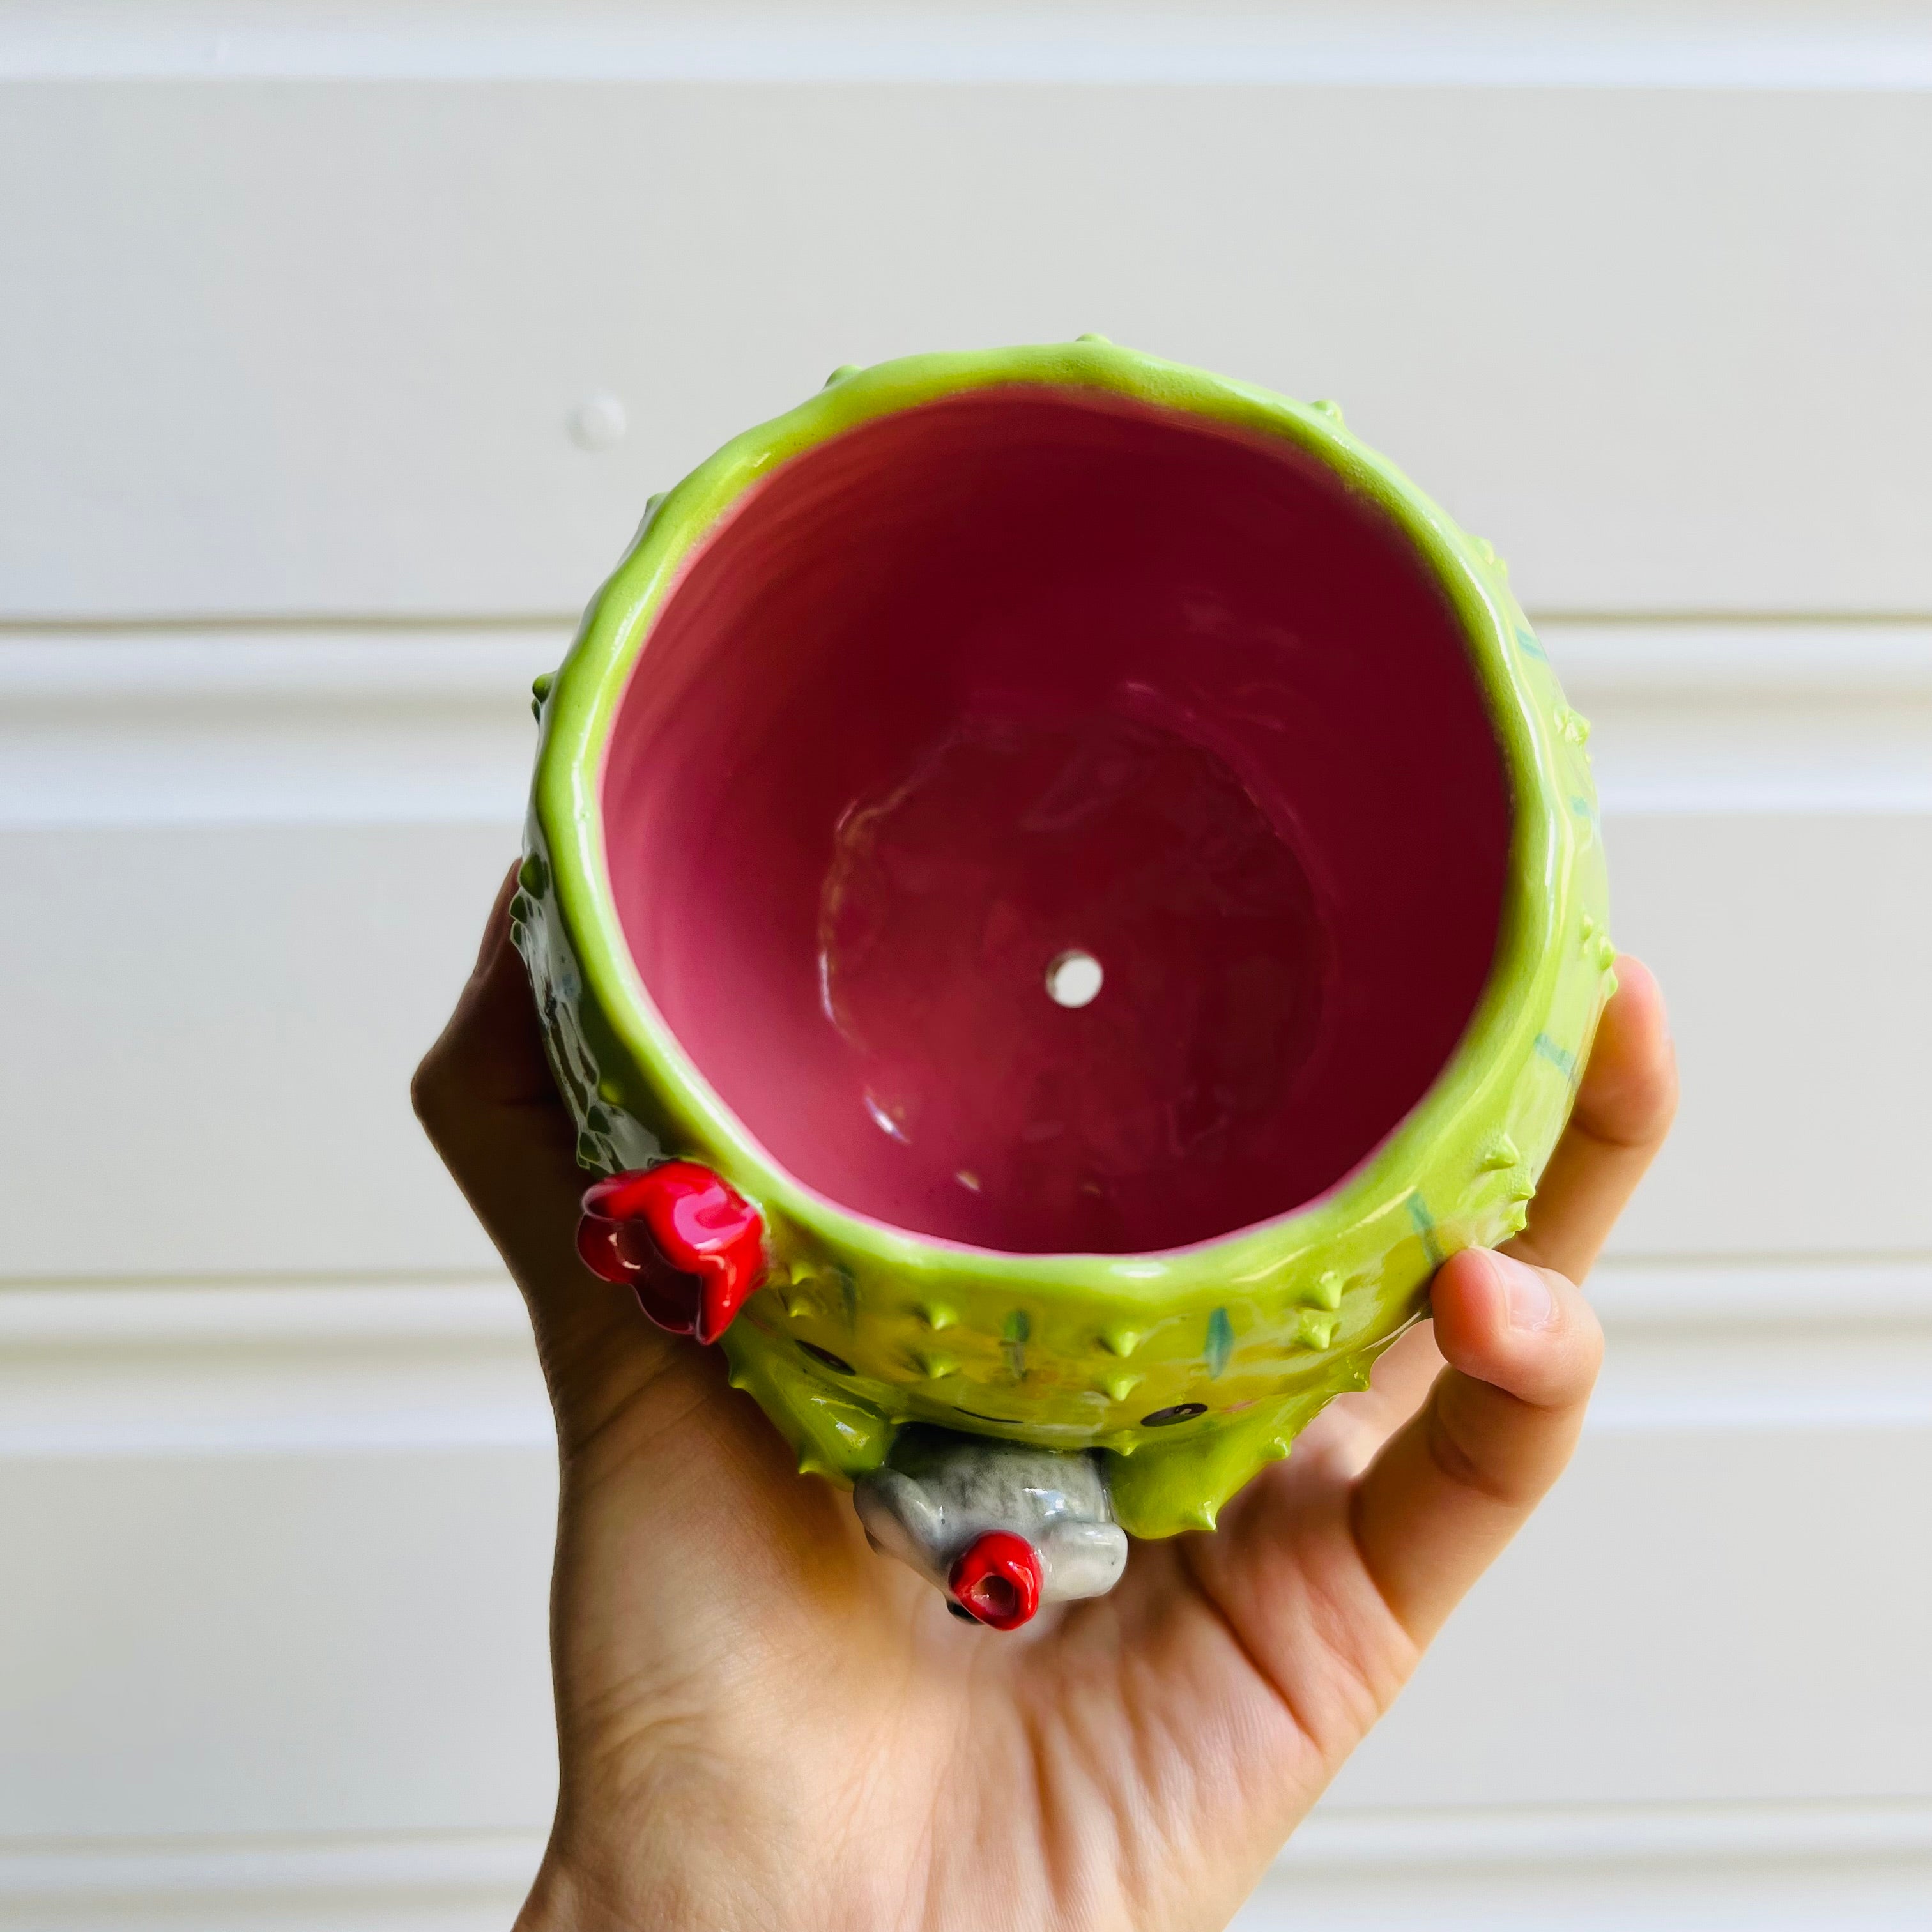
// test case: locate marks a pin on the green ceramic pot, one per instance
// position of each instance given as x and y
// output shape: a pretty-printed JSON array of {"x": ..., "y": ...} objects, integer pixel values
[{"x": 972, "y": 680}]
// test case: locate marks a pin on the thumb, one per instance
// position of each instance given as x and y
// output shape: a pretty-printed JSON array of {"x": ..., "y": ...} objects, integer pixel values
[{"x": 486, "y": 1098}]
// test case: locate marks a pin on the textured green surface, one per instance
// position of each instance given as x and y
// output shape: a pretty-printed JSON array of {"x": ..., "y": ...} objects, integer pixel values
[{"x": 1073, "y": 1351}]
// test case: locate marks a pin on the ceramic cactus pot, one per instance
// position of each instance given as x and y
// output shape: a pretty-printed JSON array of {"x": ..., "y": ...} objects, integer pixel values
[{"x": 1059, "y": 887}]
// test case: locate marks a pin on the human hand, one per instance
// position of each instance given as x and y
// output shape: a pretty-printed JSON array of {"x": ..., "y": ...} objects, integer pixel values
[{"x": 760, "y": 1723}]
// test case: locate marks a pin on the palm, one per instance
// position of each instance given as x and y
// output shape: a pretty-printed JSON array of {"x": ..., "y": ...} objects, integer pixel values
[{"x": 762, "y": 1721}]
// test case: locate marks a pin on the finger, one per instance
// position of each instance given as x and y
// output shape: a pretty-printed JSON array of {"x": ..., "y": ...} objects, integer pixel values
[
  {"x": 492, "y": 1049},
  {"x": 1624, "y": 1109},
  {"x": 496, "y": 927},
  {"x": 487, "y": 1100},
  {"x": 1451, "y": 1488}
]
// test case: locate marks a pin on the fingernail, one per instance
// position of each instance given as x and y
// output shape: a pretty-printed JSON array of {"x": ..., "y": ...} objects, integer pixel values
[
  {"x": 1531, "y": 1306},
  {"x": 496, "y": 929}
]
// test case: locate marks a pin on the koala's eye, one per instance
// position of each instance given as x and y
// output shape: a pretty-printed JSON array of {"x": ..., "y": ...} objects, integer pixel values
[
  {"x": 1181, "y": 1411},
  {"x": 837, "y": 1364}
]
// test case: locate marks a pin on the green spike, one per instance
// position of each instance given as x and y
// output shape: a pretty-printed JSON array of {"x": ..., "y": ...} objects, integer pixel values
[
  {"x": 1315, "y": 1331},
  {"x": 1117, "y": 1388},
  {"x": 1502, "y": 1152},
  {"x": 1104, "y": 341},
  {"x": 1326, "y": 406},
  {"x": 937, "y": 1316},
  {"x": 1119, "y": 1340},
  {"x": 839, "y": 374},
  {"x": 1202, "y": 1515},
  {"x": 936, "y": 1368},
  {"x": 1325, "y": 1291}
]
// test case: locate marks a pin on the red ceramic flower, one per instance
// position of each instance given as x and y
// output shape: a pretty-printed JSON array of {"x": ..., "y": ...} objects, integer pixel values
[
  {"x": 998, "y": 1579},
  {"x": 690, "y": 1247}
]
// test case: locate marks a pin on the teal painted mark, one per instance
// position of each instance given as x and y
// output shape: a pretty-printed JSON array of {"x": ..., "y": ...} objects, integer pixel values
[
  {"x": 1220, "y": 1342},
  {"x": 848, "y": 1297},
  {"x": 1013, "y": 1339},
  {"x": 1586, "y": 809},
  {"x": 1560, "y": 1058},
  {"x": 1528, "y": 643},
  {"x": 1425, "y": 1226}
]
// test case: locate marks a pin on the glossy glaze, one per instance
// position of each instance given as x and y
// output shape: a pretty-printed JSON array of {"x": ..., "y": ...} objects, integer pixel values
[
  {"x": 715, "y": 728},
  {"x": 1001, "y": 1527},
  {"x": 688, "y": 1244},
  {"x": 1019, "y": 671}
]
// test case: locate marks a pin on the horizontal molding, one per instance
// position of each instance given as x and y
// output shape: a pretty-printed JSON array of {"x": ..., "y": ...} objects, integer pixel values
[
  {"x": 1638, "y": 1295},
  {"x": 411, "y": 723},
  {"x": 267, "y": 1368},
  {"x": 371, "y": 404},
  {"x": 278, "y": 1874},
  {"x": 1753, "y": 717},
  {"x": 100, "y": 668},
  {"x": 296, "y": 1312},
  {"x": 1465, "y": 42},
  {"x": 1761, "y": 658},
  {"x": 269, "y": 726},
  {"x": 273, "y": 1871},
  {"x": 1367, "y": 1841},
  {"x": 1767, "y": 1345},
  {"x": 271, "y": 1367}
]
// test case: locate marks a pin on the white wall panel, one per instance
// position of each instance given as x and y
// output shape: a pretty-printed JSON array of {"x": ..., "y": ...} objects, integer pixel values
[
  {"x": 1794, "y": 948},
  {"x": 213, "y": 1007},
  {"x": 291, "y": 510},
  {"x": 314, "y": 347},
  {"x": 1881, "y": 44},
  {"x": 209, "y": 1035},
  {"x": 225, "y": 1644},
  {"x": 304, "y": 1633}
]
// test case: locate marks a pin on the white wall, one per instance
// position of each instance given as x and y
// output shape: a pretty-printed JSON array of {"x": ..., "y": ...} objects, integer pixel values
[{"x": 295, "y": 309}]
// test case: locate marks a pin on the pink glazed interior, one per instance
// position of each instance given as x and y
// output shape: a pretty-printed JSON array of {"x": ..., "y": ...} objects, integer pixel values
[{"x": 1028, "y": 674}]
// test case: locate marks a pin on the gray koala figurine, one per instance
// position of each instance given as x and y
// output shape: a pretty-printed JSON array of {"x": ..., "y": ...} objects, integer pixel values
[{"x": 1001, "y": 1527}]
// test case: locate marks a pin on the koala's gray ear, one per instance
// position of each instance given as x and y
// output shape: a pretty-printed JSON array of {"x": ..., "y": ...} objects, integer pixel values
[
  {"x": 902, "y": 1520},
  {"x": 1082, "y": 1559}
]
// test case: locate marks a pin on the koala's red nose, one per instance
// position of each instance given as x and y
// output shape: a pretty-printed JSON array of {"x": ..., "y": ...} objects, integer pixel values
[
  {"x": 692, "y": 1248},
  {"x": 997, "y": 1579}
]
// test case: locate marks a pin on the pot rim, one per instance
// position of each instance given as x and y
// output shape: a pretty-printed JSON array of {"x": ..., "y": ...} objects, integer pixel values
[{"x": 585, "y": 696}]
